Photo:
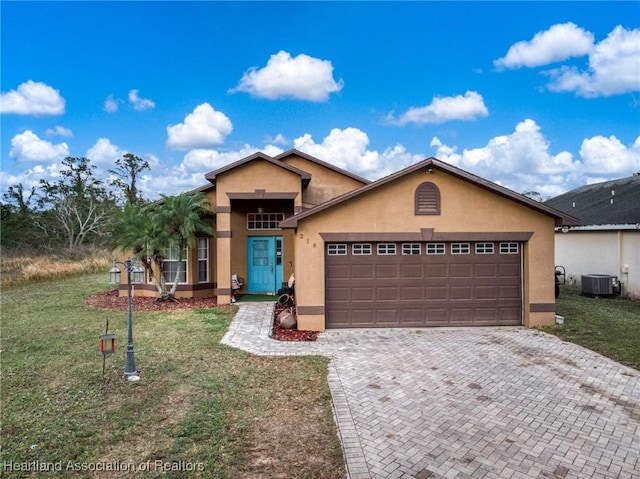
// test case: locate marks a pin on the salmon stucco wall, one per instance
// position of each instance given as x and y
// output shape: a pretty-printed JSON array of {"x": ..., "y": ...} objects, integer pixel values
[
  {"x": 390, "y": 208},
  {"x": 325, "y": 183},
  {"x": 252, "y": 178}
]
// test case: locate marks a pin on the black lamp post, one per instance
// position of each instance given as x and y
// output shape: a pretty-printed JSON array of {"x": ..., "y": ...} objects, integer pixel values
[{"x": 134, "y": 275}]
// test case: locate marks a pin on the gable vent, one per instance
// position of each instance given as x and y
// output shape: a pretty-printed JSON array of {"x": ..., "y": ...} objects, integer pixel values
[{"x": 427, "y": 199}]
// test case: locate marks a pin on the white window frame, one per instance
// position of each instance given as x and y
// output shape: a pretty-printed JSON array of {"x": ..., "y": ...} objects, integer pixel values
[
  {"x": 436, "y": 248},
  {"x": 337, "y": 249},
  {"x": 509, "y": 248},
  {"x": 264, "y": 221},
  {"x": 484, "y": 248},
  {"x": 387, "y": 249},
  {"x": 460, "y": 248},
  {"x": 170, "y": 257},
  {"x": 203, "y": 257},
  {"x": 411, "y": 249},
  {"x": 361, "y": 249}
]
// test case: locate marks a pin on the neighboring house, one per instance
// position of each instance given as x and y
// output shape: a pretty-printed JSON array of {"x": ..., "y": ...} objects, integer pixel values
[
  {"x": 430, "y": 245},
  {"x": 606, "y": 240}
]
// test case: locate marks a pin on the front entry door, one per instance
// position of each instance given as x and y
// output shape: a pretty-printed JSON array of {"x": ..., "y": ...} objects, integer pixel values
[{"x": 264, "y": 264}]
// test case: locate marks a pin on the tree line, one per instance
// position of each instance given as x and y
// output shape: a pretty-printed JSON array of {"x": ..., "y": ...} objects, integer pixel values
[
  {"x": 77, "y": 210},
  {"x": 74, "y": 210}
]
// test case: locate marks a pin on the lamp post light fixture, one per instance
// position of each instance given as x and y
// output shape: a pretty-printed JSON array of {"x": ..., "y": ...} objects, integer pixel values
[{"x": 135, "y": 274}]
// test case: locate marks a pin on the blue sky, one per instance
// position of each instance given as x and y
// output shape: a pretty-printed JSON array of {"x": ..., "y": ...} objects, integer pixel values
[{"x": 540, "y": 96}]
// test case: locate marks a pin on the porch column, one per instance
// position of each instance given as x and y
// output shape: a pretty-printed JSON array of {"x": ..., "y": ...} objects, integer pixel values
[{"x": 223, "y": 255}]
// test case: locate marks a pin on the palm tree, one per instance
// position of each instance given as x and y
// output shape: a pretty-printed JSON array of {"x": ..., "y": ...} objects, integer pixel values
[
  {"x": 139, "y": 233},
  {"x": 171, "y": 223},
  {"x": 183, "y": 217}
]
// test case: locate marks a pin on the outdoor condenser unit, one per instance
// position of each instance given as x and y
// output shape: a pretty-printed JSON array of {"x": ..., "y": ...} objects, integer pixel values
[{"x": 599, "y": 284}]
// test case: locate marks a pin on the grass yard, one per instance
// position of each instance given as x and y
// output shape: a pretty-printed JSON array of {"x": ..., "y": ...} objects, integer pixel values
[
  {"x": 609, "y": 326},
  {"x": 201, "y": 410}
]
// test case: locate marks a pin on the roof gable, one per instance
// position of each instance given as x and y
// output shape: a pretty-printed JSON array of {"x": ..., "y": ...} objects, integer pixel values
[
  {"x": 429, "y": 164},
  {"x": 259, "y": 156},
  {"x": 294, "y": 152},
  {"x": 614, "y": 202}
]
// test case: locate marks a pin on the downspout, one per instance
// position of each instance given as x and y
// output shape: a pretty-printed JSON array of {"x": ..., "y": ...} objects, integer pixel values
[{"x": 622, "y": 271}]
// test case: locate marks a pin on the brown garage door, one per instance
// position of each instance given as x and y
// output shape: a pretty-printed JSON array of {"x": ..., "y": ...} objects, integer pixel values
[{"x": 423, "y": 284}]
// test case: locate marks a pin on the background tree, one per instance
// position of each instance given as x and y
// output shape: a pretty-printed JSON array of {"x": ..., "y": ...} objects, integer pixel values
[
  {"x": 534, "y": 195},
  {"x": 18, "y": 217},
  {"x": 78, "y": 203},
  {"x": 127, "y": 171}
]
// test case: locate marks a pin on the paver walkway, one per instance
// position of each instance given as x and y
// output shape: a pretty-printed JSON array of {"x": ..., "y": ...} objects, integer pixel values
[{"x": 470, "y": 402}]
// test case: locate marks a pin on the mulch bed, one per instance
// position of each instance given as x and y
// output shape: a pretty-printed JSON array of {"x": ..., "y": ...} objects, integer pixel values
[
  {"x": 111, "y": 300},
  {"x": 282, "y": 334}
]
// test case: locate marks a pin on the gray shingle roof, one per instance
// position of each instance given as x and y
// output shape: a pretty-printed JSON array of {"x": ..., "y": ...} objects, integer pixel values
[{"x": 607, "y": 203}]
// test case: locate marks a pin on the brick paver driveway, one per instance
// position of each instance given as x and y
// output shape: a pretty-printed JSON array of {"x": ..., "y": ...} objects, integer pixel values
[{"x": 459, "y": 403}]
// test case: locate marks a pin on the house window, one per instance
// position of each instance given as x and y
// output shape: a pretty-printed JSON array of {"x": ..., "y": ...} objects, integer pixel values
[
  {"x": 411, "y": 248},
  {"x": 337, "y": 249},
  {"x": 460, "y": 248},
  {"x": 361, "y": 248},
  {"x": 509, "y": 248},
  {"x": 203, "y": 260},
  {"x": 264, "y": 221},
  {"x": 386, "y": 248},
  {"x": 171, "y": 262},
  {"x": 435, "y": 248},
  {"x": 427, "y": 201},
  {"x": 484, "y": 248}
]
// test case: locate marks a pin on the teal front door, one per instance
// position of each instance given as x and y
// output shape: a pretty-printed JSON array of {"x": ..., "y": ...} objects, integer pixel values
[{"x": 264, "y": 264}]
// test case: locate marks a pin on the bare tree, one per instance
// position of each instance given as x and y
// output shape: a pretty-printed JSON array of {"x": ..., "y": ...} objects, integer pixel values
[
  {"x": 77, "y": 202},
  {"x": 127, "y": 171}
]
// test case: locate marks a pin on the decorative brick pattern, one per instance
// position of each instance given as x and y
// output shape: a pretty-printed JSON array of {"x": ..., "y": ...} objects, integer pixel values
[{"x": 468, "y": 402}]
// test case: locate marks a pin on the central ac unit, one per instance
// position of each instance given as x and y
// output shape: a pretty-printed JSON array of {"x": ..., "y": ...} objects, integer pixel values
[{"x": 599, "y": 284}]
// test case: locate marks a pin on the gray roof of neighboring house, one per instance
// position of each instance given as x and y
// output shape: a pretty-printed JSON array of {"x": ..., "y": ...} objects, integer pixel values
[{"x": 614, "y": 202}]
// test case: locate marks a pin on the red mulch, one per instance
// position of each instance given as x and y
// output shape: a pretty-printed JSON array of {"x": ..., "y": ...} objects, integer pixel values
[
  {"x": 290, "y": 334},
  {"x": 111, "y": 300}
]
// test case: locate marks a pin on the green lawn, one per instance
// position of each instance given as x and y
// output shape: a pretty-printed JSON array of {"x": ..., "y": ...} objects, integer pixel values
[
  {"x": 609, "y": 326},
  {"x": 201, "y": 409}
]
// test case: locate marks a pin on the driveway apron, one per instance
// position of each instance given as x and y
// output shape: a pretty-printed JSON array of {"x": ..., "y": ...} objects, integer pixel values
[{"x": 469, "y": 402}]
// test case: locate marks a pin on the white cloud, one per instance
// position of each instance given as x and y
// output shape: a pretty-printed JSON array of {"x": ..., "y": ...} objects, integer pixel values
[
  {"x": 32, "y": 98},
  {"x": 520, "y": 161},
  {"x": 302, "y": 78},
  {"x": 614, "y": 68},
  {"x": 59, "y": 131},
  {"x": 30, "y": 177},
  {"x": 104, "y": 153},
  {"x": 138, "y": 103},
  {"x": 347, "y": 149},
  {"x": 189, "y": 174},
  {"x": 523, "y": 161},
  {"x": 27, "y": 146},
  {"x": 205, "y": 160},
  {"x": 443, "y": 109},
  {"x": 204, "y": 127},
  {"x": 279, "y": 139},
  {"x": 111, "y": 104},
  {"x": 609, "y": 155},
  {"x": 558, "y": 43}
]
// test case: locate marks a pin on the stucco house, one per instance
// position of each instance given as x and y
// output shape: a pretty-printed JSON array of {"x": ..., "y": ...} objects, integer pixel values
[
  {"x": 430, "y": 245},
  {"x": 606, "y": 240}
]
